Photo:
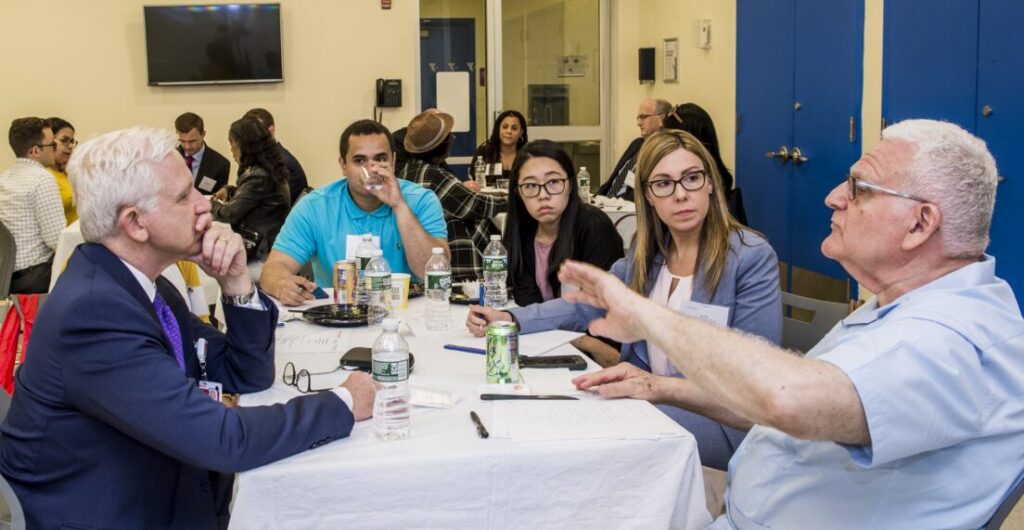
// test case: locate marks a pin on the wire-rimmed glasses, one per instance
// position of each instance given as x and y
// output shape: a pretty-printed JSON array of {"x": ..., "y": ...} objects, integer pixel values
[
  {"x": 303, "y": 380},
  {"x": 853, "y": 184}
]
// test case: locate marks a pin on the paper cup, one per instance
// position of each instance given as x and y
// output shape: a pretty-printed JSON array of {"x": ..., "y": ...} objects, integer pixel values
[{"x": 400, "y": 290}]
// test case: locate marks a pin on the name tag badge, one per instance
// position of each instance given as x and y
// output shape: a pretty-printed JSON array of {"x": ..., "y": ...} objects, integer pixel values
[
  {"x": 496, "y": 169},
  {"x": 712, "y": 313},
  {"x": 206, "y": 184},
  {"x": 352, "y": 242},
  {"x": 630, "y": 180},
  {"x": 214, "y": 390}
]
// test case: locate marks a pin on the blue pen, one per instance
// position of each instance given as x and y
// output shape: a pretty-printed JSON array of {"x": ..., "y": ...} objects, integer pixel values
[{"x": 467, "y": 349}]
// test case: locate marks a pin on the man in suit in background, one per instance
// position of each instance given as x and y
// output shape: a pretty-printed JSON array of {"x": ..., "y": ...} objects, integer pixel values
[
  {"x": 649, "y": 118},
  {"x": 296, "y": 175},
  {"x": 210, "y": 170},
  {"x": 110, "y": 426}
]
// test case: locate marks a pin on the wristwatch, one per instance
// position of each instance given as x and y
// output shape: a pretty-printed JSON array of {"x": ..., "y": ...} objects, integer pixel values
[{"x": 240, "y": 299}]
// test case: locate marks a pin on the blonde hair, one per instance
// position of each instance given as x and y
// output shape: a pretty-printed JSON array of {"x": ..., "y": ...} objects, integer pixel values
[{"x": 651, "y": 232}]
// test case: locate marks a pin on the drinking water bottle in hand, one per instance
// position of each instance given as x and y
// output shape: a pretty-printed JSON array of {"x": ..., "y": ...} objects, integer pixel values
[
  {"x": 378, "y": 283},
  {"x": 495, "y": 274},
  {"x": 480, "y": 172},
  {"x": 438, "y": 276},
  {"x": 364, "y": 252},
  {"x": 583, "y": 177},
  {"x": 391, "y": 379}
]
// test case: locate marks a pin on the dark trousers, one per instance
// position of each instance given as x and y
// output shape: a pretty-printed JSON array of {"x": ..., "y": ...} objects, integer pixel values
[{"x": 32, "y": 280}]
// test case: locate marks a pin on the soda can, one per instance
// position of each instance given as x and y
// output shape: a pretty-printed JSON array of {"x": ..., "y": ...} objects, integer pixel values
[
  {"x": 345, "y": 278},
  {"x": 502, "y": 352}
]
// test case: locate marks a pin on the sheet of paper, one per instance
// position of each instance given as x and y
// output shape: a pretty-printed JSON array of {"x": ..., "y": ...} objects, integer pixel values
[
  {"x": 529, "y": 344},
  {"x": 303, "y": 339},
  {"x": 589, "y": 419}
]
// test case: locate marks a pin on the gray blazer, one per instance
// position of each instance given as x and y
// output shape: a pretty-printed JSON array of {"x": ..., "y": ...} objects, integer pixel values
[{"x": 749, "y": 288}]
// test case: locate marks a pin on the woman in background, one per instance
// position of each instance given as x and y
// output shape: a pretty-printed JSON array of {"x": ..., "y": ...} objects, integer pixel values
[
  {"x": 508, "y": 135},
  {"x": 64, "y": 137},
  {"x": 257, "y": 207},
  {"x": 690, "y": 254},
  {"x": 691, "y": 118}
]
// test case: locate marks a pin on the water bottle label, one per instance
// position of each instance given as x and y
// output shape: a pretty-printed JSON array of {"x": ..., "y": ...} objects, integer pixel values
[
  {"x": 439, "y": 280},
  {"x": 495, "y": 264},
  {"x": 380, "y": 282},
  {"x": 390, "y": 371}
]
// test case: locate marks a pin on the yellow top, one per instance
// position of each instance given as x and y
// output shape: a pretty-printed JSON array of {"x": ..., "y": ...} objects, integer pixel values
[{"x": 64, "y": 186}]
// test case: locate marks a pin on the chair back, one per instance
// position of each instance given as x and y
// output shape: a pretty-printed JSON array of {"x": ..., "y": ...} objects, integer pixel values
[
  {"x": 1007, "y": 505},
  {"x": 11, "y": 514},
  {"x": 8, "y": 252},
  {"x": 802, "y": 334},
  {"x": 626, "y": 226}
]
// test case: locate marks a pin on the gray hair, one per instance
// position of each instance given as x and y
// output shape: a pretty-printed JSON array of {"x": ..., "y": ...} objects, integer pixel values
[
  {"x": 954, "y": 170},
  {"x": 662, "y": 106},
  {"x": 114, "y": 171}
]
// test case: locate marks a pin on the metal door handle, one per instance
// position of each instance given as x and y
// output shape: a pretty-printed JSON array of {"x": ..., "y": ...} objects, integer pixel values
[
  {"x": 782, "y": 154},
  {"x": 796, "y": 156}
]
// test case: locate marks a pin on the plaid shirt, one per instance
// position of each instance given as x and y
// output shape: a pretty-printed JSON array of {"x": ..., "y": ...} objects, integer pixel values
[
  {"x": 467, "y": 213},
  {"x": 30, "y": 207}
]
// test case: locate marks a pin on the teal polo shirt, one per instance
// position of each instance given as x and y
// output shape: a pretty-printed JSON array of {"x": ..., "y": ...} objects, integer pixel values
[{"x": 318, "y": 226}]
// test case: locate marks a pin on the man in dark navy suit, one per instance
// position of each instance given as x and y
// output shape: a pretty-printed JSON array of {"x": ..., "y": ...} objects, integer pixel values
[
  {"x": 110, "y": 426},
  {"x": 210, "y": 170}
]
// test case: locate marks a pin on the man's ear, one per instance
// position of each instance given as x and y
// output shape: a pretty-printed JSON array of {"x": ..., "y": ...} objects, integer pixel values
[
  {"x": 130, "y": 222},
  {"x": 924, "y": 225}
]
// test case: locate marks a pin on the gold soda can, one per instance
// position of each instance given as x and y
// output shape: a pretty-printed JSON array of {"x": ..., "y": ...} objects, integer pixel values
[{"x": 345, "y": 278}]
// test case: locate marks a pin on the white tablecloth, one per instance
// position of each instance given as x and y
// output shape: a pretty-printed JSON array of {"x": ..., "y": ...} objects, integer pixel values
[{"x": 444, "y": 476}]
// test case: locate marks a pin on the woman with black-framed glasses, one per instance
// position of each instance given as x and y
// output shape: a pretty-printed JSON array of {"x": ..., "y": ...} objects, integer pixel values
[
  {"x": 547, "y": 223},
  {"x": 64, "y": 143},
  {"x": 690, "y": 254}
]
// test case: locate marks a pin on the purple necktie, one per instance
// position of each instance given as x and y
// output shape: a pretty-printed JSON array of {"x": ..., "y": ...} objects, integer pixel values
[
  {"x": 189, "y": 160},
  {"x": 170, "y": 325}
]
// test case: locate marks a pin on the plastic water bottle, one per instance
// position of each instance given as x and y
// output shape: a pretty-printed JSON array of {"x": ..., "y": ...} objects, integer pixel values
[
  {"x": 495, "y": 274},
  {"x": 438, "y": 276},
  {"x": 378, "y": 283},
  {"x": 480, "y": 172},
  {"x": 364, "y": 252},
  {"x": 391, "y": 379},
  {"x": 584, "y": 183}
]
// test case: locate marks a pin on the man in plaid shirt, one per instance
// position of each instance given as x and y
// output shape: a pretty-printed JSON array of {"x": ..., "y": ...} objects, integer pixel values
[
  {"x": 467, "y": 213},
  {"x": 30, "y": 205}
]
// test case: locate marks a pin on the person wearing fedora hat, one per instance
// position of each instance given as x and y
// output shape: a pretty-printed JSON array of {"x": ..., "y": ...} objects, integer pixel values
[
  {"x": 326, "y": 225},
  {"x": 467, "y": 213}
]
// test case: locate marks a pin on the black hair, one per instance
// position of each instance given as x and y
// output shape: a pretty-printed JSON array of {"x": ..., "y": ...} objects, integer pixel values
[
  {"x": 261, "y": 114},
  {"x": 257, "y": 148},
  {"x": 362, "y": 128},
  {"x": 521, "y": 227},
  {"x": 492, "y": 146},
  {"x": 26, "y": 133},
  {"x": 691, "y": 118},
  {"x": 56, "y": 124}
]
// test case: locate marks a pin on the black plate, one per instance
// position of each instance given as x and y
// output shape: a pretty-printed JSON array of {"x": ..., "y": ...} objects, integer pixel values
[
  {"x": 336, "y": 315},
  {"x": 461, "y": 299},
  {"x": 416, "y": 290}
]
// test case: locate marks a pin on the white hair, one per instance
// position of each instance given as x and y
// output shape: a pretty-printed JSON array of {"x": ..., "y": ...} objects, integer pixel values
[
  {"x": 114, "y": 171},
  {"x": 954, "y": 170}
]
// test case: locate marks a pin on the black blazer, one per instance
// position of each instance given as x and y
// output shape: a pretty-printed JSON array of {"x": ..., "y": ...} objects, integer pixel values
[
  {"x": 596, "y": 241},
  {"x": 625, "y": 163},
  {"x": 296, "y": 175},
  {"x": 213, "y": 165},
  {"x": 256, "y": 209}
]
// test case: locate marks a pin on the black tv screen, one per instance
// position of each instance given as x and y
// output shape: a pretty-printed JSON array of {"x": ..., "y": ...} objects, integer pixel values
[{"x": 211, "y": 44}]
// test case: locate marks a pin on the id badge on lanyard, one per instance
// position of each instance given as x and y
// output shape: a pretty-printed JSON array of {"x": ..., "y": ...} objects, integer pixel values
[{"x": 210, "y": 388}]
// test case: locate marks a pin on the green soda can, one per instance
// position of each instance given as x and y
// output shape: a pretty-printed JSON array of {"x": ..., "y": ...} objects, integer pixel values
[{"x": 502, "y": 352}]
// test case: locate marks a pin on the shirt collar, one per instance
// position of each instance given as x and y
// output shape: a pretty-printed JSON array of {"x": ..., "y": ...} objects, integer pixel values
[
  {"x": 355, "y": 212},
  {"x": 28, "y": 162},
  {"x": 147, "y": 285}
]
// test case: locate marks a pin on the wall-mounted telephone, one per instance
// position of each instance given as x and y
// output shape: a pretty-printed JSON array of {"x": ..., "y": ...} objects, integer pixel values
[{"x": 389, "y": 93}]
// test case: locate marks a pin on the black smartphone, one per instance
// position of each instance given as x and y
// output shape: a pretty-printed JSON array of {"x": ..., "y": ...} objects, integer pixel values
[
  {"x": 319, "y": 293},
  {"x": 572, "y": 362},
  {"x": 360, "y": 358}
]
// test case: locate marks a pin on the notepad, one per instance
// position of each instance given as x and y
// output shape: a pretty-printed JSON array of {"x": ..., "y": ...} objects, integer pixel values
[
  {"x": 529, "y": 344},
  {"x": 537, "y": 421}
]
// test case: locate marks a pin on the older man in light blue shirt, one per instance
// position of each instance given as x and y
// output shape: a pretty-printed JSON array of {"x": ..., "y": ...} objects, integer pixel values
[{"x": 909, "y": 413}]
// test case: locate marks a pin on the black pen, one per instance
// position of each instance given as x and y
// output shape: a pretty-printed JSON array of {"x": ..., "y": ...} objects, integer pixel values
[{"x": 480, "y": 429}]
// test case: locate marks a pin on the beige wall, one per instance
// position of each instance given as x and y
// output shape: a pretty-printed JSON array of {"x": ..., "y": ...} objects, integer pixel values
[{"x": 94, "y": 73}]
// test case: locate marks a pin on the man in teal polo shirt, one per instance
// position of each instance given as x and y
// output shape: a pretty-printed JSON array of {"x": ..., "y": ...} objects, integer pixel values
[{"x": 405, "y": 219}]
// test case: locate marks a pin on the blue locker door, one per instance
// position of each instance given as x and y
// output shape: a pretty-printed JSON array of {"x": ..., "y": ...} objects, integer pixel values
[
  {"x": 1001, "y": 87},
  {"x": 764, "y": 104},
  {"x": 929, "y": 60},
  {"x": 449, "y": 44},
  {"x": 827, "y": 88}
]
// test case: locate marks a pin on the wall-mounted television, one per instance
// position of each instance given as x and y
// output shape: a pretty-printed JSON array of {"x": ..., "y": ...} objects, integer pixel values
[{"x": 213, "y": 44}]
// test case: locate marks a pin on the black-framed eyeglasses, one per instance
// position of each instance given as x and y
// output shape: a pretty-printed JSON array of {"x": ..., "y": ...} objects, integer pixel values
[
  {"x": 553, "y": 187},
  {"x": 853, "y": 184},
  {"x": 44, "y": 146},
  {"x": 692, "y": 181},
  {"x": 67, "y": 141},
  {"x": 303, "y": 379}
]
